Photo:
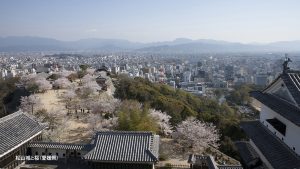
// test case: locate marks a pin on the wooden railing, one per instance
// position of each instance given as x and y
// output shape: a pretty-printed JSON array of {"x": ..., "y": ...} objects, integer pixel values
[
  {"x": 218, "y": 152},
  {"x": 171, "y": 166}
]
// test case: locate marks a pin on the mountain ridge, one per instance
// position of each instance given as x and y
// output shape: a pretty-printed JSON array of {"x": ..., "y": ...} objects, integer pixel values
[{"x": 179, "y": 45}]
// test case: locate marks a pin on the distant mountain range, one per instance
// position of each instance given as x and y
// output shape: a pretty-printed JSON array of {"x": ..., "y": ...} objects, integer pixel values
[{"x": 180, "y": 45}]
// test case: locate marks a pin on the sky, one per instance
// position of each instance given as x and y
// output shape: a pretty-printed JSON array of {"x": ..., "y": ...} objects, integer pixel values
[{"x": 246, "y": 21}]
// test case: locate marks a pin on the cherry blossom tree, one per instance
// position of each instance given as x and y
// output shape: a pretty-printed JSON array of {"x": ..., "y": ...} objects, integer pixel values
[
  {"x": 96, "y": 107},
  {"x": 90, "y": 71},
  {"x": 93, "y": 85},
  {"x": 43, "y": 84},
  {"x": 197, "y": 134},
  {"x": 87, "y": 104},
  {"x": 62, "y": 83},
  {"x": 85, "y": 92},
  {"x": 87, "y": 79},
  {"x": 105, "y": 106},
  {"x": 28, "y": 81},
  {"x": 69, "y": 95},
  {"x": 30, "y": 103},
  {"x": 35, "y": 83},
  {"x": 88, "y": 89},
  {"x": 163, "y": 121},
  {"x": 96, "y": 122},
  {"x": 110, "y": 123}
]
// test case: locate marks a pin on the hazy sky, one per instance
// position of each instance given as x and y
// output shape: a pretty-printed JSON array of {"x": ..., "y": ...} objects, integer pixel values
[{"x": 153, "y": 20}]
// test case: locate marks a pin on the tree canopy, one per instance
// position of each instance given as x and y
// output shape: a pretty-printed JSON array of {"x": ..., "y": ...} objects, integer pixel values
[
  {"x": 240, "y": 94},
  {"x": 135, "y": 117},
  {"x": 7, "y": 87},
  {"x": 180, "y": 105}
]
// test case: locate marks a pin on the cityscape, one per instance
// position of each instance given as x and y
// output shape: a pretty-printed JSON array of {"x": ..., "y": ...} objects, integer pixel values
[{"x": 130, "y": 87}]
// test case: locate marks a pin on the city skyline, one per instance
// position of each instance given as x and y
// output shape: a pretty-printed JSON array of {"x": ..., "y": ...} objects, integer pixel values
[{"x": 152, "y": 21}]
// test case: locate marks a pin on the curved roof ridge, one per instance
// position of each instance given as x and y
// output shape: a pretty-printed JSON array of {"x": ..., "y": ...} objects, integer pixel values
[
  {"x": 123, "y": 132},
  {"x": 116, "y": 145},
  {"x": 10, "y": 116},
  {"x": 57, "y": 143}
]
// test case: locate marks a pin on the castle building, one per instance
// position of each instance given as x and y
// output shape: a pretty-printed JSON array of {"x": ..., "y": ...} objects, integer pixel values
[{"x": 274, "y": 139}]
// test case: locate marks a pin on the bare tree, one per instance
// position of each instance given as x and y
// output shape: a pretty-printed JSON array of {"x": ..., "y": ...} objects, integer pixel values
[
  {"x": 57, "y": 132},
  {"x": 50, "y": 117},
  {"x": 27, "y": 79},
  {"x": 30, "y": 103},
  {"x": 68, "y": 96},
  {"x": 197, "y": 134}
]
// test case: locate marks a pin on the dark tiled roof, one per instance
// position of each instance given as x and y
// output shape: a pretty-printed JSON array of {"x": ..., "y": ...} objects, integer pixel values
[
  {"x": 63, "y": 146},
  {"x": 15, "y": 129},
  {"x": 117, "y": 146},
  {"x": 292, "y": 82},
  {"x": 249, "y": 155},
  {"x": 278, "y": 154},
  {"x": 282, "y": 107},
  {"x": 263, "y": 166},
  {"x": 291, "y": 79},
  {"x": 246, "y": 151}
]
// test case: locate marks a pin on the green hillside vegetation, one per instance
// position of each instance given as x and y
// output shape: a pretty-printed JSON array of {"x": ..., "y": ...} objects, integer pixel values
[
  {"x": 180, "y": 105},
  {"x": 134, "y": 117},
  {"x": 7, "y": 94},
  {"x": 240, "y": 94}
]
